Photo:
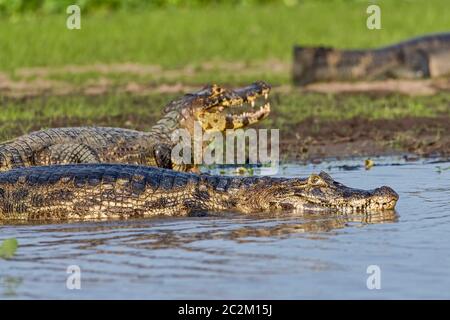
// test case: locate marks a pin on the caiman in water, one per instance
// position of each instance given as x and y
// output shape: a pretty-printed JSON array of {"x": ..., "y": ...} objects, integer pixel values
[
  {"x": 108, "y": 191},
  {"x": 422, "y": 57},
  {"x": 211, "y": 107}
]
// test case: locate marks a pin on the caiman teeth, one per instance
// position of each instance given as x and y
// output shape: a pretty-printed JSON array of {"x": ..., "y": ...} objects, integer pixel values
[
  {"x": 263, "y": 110},
  {"x": 252, "y": 103}
]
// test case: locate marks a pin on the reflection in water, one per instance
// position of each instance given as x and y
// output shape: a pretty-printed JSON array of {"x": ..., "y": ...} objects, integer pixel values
[
  {"x": 167, "y": 248},
  {"x": 170, "y": 233},
  {"x": 248, "y": 256},
  {"x": 10, "y": 285},
  {"x": 313, "y": 225},
  {"x": 276, "y": 229}
]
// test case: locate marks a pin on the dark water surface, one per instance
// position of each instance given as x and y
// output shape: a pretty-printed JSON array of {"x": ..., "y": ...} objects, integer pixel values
[{"x": 234, "y": 256}]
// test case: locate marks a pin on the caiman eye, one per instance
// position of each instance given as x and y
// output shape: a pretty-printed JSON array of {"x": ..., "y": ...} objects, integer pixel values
[
  {"x": 315, "y": 180},
  {"x": 216, "y": 90}
]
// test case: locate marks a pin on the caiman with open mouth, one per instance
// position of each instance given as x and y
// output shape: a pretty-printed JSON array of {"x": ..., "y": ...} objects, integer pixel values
[
  {"x": 118, "y": 191},
  {"x": 211, "y": 107}
]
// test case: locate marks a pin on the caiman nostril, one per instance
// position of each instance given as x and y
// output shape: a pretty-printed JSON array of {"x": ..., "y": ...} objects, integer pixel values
[
  {"x": 385, "y": 197},
  {"x": 387, "y": 192}
]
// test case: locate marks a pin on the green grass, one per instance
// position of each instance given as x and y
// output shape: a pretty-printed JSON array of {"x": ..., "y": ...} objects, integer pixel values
[
  {"x": 124, "y": 110},
  {"x": 176, "y": 37},
  {"x": 291, "y": 109}
]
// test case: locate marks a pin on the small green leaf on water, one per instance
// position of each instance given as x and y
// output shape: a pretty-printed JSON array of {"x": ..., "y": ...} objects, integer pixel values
[
  {"x": 440, "y": 169},
  {"x": 8, "y": 248}
]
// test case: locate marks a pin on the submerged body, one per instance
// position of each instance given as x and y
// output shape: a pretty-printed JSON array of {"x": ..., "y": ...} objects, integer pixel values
[
  {"x": 422, "y": 57},
  {"x": 109, "y": 191},
  {"x": 118, "y": 145}
]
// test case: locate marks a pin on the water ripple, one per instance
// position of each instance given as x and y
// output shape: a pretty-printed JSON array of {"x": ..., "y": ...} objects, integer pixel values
[{"x": 235, "y": 256}]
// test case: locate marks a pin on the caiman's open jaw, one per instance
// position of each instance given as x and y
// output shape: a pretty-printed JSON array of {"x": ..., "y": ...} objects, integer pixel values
[
  {"x": 252, "y": 100},
  {"x": 321, "y": 193},
  {"x": 213, "y": 106}
]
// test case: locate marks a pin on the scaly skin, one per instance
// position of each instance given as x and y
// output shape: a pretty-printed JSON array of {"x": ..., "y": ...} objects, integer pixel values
[
  {"x": 422, "y": 57},
  {"x": 108, "y": 191},
  {"x": 117, "y": 145}
]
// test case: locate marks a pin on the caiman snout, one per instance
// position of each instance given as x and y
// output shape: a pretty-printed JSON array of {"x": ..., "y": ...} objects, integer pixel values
[{"x": 384, "y": 198}]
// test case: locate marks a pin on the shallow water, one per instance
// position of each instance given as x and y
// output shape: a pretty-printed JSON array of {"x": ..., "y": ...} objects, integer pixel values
[{"x": 234, "y": 256}]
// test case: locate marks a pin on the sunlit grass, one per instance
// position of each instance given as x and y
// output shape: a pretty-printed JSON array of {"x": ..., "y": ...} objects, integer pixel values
[
  {"x": 291, "y": 109},
  {"x": 174, "y": 38},
  {"x": 124, "y": 110},
  {"x": 177, "y": 37}
]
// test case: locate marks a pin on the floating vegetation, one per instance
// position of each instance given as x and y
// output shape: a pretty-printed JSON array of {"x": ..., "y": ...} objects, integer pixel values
[{"x": 8, "y": 248}]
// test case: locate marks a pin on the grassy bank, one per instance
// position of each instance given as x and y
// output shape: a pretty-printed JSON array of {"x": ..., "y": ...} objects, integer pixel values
[
  {"x": 123, "y": 110},
  {"x": 176, "y": 37},
  {"x": 189, "y": 46}
]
